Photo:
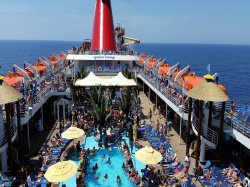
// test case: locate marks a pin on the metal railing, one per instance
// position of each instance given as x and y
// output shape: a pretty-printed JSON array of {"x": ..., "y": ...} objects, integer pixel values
[
  {"x": 173, "y": 98},
  {"x": 38, "y": 98},
  {"x": 82, "y": 52},
  {"x": 206, "y": 132},
  {"x": 42, "y": 93},
  {"x": 234, "y": 121},
  {"x": 105, "y": 69},
  {"x": 3, "y": 136},
  {"x": 237, "y": 124}
]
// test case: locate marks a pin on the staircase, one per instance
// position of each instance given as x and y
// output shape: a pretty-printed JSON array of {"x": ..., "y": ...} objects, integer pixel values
[
  {"x": 207, "y": 134},
  {"x": 3, "y": 136}
]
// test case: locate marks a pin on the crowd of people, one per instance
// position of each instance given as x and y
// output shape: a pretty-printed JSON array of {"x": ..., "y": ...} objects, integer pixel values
[
  {"x": 83, "y": 160},
  {"x": 164, "y": 85},
  {"x": 230, "y": 176},
  {"x": 128, "y": 165},
  {"x": 48, "y": 155},
  {"x": 172, "y": 171}
]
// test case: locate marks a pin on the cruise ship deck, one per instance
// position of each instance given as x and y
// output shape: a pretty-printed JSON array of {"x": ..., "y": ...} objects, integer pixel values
[{"x": 42, "y": 96}]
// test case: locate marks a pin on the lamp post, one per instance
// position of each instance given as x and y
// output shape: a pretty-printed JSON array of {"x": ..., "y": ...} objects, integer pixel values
[{"x": 181, "y": 110}]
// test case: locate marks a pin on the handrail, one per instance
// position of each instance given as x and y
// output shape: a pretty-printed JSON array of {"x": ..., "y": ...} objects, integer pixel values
[
  {"x": 207, "y": 132},
  {"x": 37, "y": 98},
  {"x": 100, "y": 69},
  {"x": 174, "y": 99},
  {"x": 237, "y": 124},
  {"x": 45, "y": 91},
  {"x": 82, "y": 52},
  {"x": 234, "y": 121},
  {"x": 3, "y": 136}
]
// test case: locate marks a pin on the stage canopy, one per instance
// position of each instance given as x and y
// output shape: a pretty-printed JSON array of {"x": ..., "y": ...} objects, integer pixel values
[{"x": 93, "y": 80}]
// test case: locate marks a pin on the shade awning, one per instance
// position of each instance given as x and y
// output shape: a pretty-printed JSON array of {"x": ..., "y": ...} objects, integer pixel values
[
  {"x": 93, "y": 80},
  {"x": 8, "y": 94},
  {"x": 207, "y": 90},
  {"x": 90, "y": 80},
  {"x": 120, "y": 80}
]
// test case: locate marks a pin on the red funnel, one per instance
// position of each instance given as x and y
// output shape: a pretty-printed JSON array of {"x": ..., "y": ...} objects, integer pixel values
[{"x": 103, "y": 37}]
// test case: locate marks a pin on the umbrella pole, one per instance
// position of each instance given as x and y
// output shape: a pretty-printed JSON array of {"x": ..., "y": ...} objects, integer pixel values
[{"x": 74, "y": 148}]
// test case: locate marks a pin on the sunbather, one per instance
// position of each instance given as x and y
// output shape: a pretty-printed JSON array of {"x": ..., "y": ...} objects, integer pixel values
[
  {"x": 228, "y": 170},
  {"x": 179, "y": 174},
  {"x": 234, "y": 179},
  {"x": 172, "y": 165},
  {"x": 244, "y": 183}
]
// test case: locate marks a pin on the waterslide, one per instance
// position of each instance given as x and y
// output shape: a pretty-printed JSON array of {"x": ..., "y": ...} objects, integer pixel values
[{"x": 132, "y": 41}]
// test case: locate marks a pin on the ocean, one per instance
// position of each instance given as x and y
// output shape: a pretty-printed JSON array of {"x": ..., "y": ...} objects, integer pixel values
[{"x": 231, "y": 62}]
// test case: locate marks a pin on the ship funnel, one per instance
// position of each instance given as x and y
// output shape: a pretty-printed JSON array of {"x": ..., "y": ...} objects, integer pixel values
[{"x": 103, "y": 37}]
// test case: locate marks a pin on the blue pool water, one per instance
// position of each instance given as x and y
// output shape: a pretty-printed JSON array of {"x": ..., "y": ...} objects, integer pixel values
[
  {"x": 113, "y": 169},
  {"x": 117, "y": 158}
]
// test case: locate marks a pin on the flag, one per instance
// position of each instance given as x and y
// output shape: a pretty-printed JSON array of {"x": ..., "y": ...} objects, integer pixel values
[{"x": 208, "y": 68}]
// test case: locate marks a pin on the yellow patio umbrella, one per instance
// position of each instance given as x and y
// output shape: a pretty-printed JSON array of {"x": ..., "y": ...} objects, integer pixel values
[
  {"x": 148, "y": 155},
  {"x": 208, "y": 77},
  {"x": 61, "y": 171},
  {"x": 73, "y": 133}
]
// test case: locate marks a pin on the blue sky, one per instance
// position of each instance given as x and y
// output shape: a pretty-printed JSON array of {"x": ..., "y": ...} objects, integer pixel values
[{"x": 160, "y": 21}]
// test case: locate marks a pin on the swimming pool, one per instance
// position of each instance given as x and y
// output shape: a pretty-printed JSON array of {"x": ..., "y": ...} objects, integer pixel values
[{"x": 114, "y": 169}]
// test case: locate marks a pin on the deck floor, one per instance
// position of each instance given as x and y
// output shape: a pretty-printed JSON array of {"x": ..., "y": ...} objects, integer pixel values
[{"x": 180, "y": 149}]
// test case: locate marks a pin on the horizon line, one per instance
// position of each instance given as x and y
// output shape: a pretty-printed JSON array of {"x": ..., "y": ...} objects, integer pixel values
[{"x": 160, "y": 43}]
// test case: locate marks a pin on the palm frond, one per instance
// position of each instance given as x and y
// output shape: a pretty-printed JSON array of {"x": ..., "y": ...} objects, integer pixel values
[
  {"x": 127, "y": 102},
  {"x": 82, "y": 73}
]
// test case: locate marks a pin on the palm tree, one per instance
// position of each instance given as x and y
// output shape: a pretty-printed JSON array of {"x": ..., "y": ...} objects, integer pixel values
[
  {"x": 100, "y": 108},
  {"x": 82, "y": 73},
  {"x": 128, "y": 74},
  {"x": 127, "y": 102}
]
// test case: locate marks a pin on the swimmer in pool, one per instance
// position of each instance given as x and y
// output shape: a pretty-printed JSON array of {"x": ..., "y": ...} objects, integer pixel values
[
  {"x": 118, "y": 180},
  {"x": 109, "y": 161},
  {"x": 93, "y": 169},
  {"x": 105, "y": 177},
  {"x": 96, "y": 166},
  {"x": 103, "y": 157}
]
